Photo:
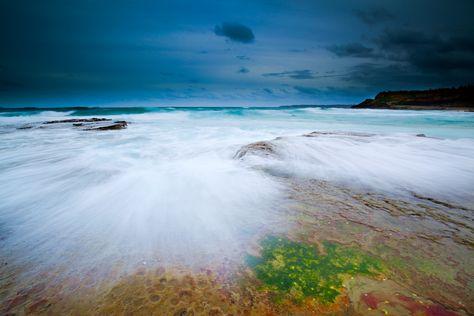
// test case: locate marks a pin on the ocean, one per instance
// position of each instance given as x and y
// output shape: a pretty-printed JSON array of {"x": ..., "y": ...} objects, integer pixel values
[{"x": 169, "y": 189}]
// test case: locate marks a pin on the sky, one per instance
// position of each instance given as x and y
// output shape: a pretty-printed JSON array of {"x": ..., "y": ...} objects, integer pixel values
[{"x": 229, "y": 53}]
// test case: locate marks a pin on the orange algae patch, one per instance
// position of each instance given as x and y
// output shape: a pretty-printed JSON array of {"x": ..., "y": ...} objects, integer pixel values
[
  {"x": 176, "y": 292},
  {"x": 182, "y": 293}
]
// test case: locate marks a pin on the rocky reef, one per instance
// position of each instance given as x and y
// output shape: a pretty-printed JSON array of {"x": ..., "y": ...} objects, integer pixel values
[
  {"x": 297, "y": 271},
  {"x": 343, "y": 251},
  {"x": 461, "y": 99},
  {"x": 86, "y": 124},
  {"x": 94, "y": 119},
  {"x": 114, "y": 126},
  {"x": 264, "y": 147}
]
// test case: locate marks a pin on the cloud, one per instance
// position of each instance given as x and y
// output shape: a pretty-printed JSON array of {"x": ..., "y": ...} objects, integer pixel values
[
  {"x": 294, "y": 74},
  {"x": 392, "y": 39},
  {"x": 235, "y": 32},
  {"x": 307, "y": 90},
  {"x": 409, "y": 53},
  {"x": 380, "y": 75},
  {"x": 242, "y": 57},
  {"x": 373, "y": 16},
  {"x": 430, "y": 53},
  {"x": 7, "y": 85},
  {"x": 375, "y": 77},
  {"x": 297, "y": 50},
  {"x": 352, "y": 50},
  {"x": 243, "y": 70},
  {"x": 267, "y": 90}
]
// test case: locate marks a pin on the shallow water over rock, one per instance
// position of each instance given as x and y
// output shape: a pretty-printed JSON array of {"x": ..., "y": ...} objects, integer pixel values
[{"x": 161, "y": 217}]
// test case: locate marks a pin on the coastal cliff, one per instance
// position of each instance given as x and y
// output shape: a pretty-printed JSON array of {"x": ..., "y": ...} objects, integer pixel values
[{"x": 461, "y": 99}]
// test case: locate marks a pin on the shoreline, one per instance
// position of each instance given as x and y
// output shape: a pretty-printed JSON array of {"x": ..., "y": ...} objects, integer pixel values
[
  {"x": 305, "y": 226},
  {"x": 416, "y": 108},
  {"x": 418, "y": 263},
  {"x": 457, "y": 99}
]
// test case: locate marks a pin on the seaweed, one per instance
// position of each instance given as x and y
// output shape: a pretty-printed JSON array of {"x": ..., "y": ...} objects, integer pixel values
[{"x": 297, "y": 270}]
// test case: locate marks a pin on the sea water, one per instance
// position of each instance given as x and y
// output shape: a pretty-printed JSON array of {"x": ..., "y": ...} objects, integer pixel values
[{"x": 168, "y": 188}]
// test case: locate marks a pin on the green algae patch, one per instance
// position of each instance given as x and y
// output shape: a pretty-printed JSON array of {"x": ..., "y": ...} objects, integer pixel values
[{"x": 298, "y": 271}]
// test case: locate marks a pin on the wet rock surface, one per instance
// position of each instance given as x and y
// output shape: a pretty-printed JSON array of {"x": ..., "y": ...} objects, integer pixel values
[
  {"x": 86, "y": 124},
  {"x": 116, "y": 125},
  {"x": 90, "y": 120},
  {"x": 427, "y": 246},
  {"x": 269, "y": 148},
  {"x": 346, "y": 251},
  {"x": 263, "y": 147}
]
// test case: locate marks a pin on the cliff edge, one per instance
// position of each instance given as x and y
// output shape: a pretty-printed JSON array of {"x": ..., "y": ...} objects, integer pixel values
[{"x": 461, "y": 99}]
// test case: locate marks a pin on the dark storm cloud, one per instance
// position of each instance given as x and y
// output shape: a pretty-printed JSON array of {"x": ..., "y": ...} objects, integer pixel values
[
  {"x": 307, "y": 90},
  {"x": 402, "y": 38},
  {"x": 7, "y": 85},
  {"x": 351, "y": 50},
  {"x": 243, "y": 70},
  {"x": 242, "y": 57},
  {"x": 267, "y": 90},
  {"x": 297, "y": 50},
  {"x": 377, "y": 77},
  {"x": 149, "y": 50},
  {"x": 381, "y": 75},
  {"x": 374, "y": 15},
  {"x": 427, "y": 52},
  {"x": 295, "y": 74},
  {"x": 411, "y": 58},
  {"x": 235, "y": 32}
]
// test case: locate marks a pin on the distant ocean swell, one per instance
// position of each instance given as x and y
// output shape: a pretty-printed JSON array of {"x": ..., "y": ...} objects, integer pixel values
[{"x": 90, "y": 111}]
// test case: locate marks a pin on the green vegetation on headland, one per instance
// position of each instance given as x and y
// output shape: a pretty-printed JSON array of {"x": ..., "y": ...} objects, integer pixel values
[
  {"x": 296, "y": 270},
  {"x": 461, "y": 98}
]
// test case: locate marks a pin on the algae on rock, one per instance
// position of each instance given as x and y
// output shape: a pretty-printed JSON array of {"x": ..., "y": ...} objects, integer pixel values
[{"x": 297, "y": 270}]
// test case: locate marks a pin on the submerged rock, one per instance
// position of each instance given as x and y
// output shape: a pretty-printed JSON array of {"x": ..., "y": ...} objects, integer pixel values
[
  {"x": 264, "y": 146},
  {"x": 115, "y": 126},
  {"x": 268, "y": 148}
]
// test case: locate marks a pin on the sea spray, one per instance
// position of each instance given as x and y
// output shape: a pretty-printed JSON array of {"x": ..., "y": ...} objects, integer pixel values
[{"x": 167, "y": 188}]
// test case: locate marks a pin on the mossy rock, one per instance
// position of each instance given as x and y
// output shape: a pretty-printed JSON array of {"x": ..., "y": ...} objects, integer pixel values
[{"x": 297, "y": 270}]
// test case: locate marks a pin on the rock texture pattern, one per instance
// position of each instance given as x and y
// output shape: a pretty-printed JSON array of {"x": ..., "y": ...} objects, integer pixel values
[{"x": 461, "y": 99}]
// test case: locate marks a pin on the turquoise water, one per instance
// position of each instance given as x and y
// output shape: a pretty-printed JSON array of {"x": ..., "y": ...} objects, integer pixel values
[
  {"x": 168, "y": 186},
  {"x": 448, "y": 124}
]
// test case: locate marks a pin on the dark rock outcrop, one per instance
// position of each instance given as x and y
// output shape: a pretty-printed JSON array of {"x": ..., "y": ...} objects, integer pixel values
[
  {"x": 92, "y": 124},
  {"x": 114, "y": 126},
  {"x": 91, "y": 120},
  {"x": 461, "y": 99}
]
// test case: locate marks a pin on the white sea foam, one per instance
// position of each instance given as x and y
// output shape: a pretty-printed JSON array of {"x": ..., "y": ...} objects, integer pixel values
[
  {"x": 391, "y": 164},
  {"x": 168, "y": 188}
]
